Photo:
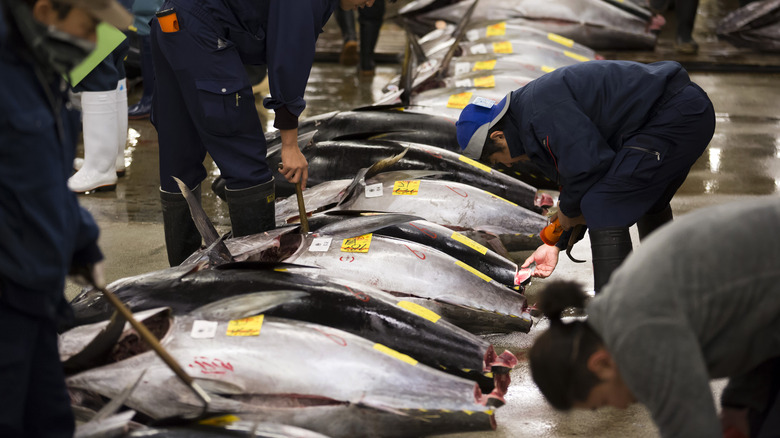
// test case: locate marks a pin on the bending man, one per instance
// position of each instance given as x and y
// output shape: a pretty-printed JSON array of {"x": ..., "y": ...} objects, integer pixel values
[{"x": 619, "y": 138}]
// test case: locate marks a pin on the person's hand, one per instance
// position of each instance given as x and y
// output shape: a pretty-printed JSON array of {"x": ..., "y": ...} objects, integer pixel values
[
  {"x": 567, "y": 222},
  {"x": 546, "y": 258},
  {"x": 734, "y": 423},
  {"x": 294, "y": 166},
  {"x": 89, "y": 274}
]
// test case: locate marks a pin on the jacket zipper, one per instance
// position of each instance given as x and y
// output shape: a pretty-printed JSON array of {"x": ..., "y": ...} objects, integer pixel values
[{"x": 656, "y": 153}]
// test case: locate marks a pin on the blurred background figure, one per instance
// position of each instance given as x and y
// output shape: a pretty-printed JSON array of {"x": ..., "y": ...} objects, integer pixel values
[
  {"x": 144, "y": 10},
  {"x": 370, "y": 23},
  {"x": 103, "y": 95},
  {"x": 46, "y": 233}
]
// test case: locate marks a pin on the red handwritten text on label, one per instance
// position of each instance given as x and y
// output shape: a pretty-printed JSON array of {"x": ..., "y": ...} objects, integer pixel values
[{"x": 211, "y": 365}]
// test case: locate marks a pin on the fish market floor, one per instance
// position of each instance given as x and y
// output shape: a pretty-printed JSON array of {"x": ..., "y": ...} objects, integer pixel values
[{"x": 742, "y": 161}]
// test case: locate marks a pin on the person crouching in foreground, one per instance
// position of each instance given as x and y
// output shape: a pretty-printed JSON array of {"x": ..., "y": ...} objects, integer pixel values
[{"x": 668, "y": 323}]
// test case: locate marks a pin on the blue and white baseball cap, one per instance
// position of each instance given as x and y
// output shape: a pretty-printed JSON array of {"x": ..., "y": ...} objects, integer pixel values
[{"x": 475, "y": 121}]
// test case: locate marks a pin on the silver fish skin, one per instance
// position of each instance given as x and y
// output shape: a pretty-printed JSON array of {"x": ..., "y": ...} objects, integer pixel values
[
  {"x": 233, "y": 426},
  {"x": 353, "y": 155},
  {"x": 427, "y": 272},
  {"x": 445, "y": 203},
  {"x": 286, "y": 357},
  {"x": 593, "y": 23}
]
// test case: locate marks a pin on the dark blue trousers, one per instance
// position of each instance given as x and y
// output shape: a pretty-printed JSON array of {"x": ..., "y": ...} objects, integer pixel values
[
  {"x": 653, "y": 162},
  {"x": 34, "y": 401},
  {"x": 203, "y": 103}
]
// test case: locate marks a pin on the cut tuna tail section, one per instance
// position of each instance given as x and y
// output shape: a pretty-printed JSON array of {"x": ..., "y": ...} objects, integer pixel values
[{"x": 218, "y": 249}]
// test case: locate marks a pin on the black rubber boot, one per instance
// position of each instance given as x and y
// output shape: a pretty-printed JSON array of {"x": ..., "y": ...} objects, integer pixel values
[
  {"x": 609, "y": 246},
  {"x": 181, "y": 236},
  {"x": 650, "y": 222},
  {"x": 252, "y": 210}
]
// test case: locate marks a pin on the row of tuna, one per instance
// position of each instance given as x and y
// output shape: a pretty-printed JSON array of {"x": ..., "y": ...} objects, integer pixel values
[{"x": 372, "y": 323}]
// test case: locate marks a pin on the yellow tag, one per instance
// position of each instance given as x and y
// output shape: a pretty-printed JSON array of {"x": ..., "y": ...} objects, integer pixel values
[
  {"x": 406, "y": 187},
  {"x": 505, "y": 200},
  {"x": 468, "y": 242},
  {"x": 485, "y": 65},
  {"x": 547, "y": 68},
  {"x": 560, "y": 40},
  {"x": 502, "y": 47},
  {"x": 473, "y": 271},
  {"x": 474, "y": 163},
  {"x": 356, "y": 244},
  {"x": 459, "y": 101},
  {"x": 223, "y": 420},
  {"x": 394, "y": 354},
  {"x": 485, "y": 82},
  {"x": 246, "y": 326},
  {"x": 419, "y": 310},
  {"x": 497, "y": 29},
  {"x": 575, "y": 56}
]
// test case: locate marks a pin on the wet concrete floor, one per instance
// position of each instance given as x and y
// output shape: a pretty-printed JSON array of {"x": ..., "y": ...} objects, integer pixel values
[{"x": 742, "y": 161}]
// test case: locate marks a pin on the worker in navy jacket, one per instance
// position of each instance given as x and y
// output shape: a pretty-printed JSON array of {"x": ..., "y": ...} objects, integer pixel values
[
  {"x": 44, "y": 234},
  {"x": 203, "y": 103},
  {"x": 619, "y": 137}
]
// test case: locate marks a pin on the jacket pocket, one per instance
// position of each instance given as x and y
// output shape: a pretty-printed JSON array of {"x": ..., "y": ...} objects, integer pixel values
[
  {"x": 220, "y": 102},
  {"x": 639, "y": 160}
]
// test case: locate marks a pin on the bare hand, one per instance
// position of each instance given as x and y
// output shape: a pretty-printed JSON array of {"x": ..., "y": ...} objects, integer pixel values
[
  {"x": 294, "y": 166},
  {"x": 546, "y": 258}
]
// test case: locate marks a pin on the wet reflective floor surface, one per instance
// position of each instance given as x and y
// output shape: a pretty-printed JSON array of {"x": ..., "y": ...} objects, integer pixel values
[{"x": 742, "y": 161}]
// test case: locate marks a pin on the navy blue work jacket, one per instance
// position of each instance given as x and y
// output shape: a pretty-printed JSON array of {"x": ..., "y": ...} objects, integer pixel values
[
  {"x": 42, "y": 227},
  {"x": 281, "y": 34},
  {"x": 572, "y": 121}
]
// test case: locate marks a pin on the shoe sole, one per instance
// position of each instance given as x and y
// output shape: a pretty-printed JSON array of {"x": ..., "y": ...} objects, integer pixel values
[{"x": 105, "y": 188}]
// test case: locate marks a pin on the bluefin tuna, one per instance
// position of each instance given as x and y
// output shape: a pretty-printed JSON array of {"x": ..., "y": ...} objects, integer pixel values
[
  {"x": 329, "y": 160},
  {"x": 445, "y": 203},
  {"x": 238, "y": 360},
  {"x": 594, "y": 23}
]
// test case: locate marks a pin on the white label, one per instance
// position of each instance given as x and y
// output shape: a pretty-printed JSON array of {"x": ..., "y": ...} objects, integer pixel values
[
  {"x": 320, "y": 244},
  {"x": 472, "y": 35},
  {"x": 202, "y": 329},
  {"x": 484, "y": 102},
  {"x": 478, "y": 49},
  {"x": 374, "y": 190},
  {"x": 463, "y": 83},
  {"x": 462, "y": 67}
]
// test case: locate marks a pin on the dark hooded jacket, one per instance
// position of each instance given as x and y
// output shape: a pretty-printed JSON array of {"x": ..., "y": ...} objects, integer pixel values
[
  {"x": 572, "y": 121},
  {"x": 43, "y": 230}
]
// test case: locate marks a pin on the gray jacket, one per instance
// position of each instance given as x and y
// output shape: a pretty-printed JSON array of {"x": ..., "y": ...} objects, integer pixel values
[{"x": 699, "y": 299}]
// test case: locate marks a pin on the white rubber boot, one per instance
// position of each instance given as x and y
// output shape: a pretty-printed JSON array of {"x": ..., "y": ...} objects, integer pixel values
[
  {"x": 121, "y": 120},
  {"x": 99, "y": 122}
]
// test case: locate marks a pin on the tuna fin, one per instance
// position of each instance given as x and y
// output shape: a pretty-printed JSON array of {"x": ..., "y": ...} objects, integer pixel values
[
  {"x": 382, "y": 165},
  {"x": 204, "y": 225},
  {"x": 245, "y": 305},
  {"x": 359, "y": 225},
  {"x": 306, "y": 139},
  {"x": 98, "y": 348},
  {"x": 113, "y": 406},
  {"x": 458, "y": 33},
  {"x": 365, "y": 173}
]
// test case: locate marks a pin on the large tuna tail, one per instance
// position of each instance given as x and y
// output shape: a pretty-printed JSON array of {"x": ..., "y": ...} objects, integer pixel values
[{"x": 217, "y": 250}]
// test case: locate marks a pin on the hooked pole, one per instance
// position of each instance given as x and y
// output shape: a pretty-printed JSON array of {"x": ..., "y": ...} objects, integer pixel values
[
  {"x": 149, "y": 337},
  {"x": 301, "y": 208}
]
